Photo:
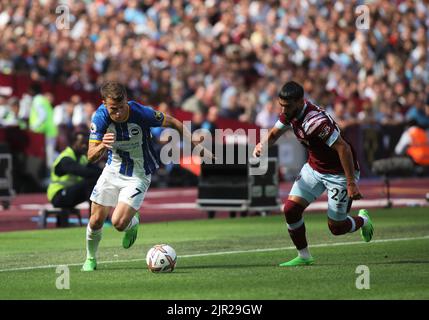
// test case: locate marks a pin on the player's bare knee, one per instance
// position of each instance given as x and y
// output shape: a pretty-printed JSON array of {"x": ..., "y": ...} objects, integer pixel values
[
  {"x": 116, "y": 223},
  {"x": 96, "y": 222},
  {"x": 120, "y": 224}
]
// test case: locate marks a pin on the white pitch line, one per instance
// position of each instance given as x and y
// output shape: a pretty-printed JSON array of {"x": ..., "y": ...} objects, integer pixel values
[
  {"x": 321, "y": 205},
  {"x": 320, "y": 245}
]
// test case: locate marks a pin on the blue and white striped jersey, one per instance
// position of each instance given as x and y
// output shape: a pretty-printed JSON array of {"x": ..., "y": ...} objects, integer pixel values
[{"x": 132, "y": 154}]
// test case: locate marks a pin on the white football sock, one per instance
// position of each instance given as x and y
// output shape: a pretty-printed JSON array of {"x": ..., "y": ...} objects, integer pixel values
[
  {"x": 365, "y": 219},
  {"x": 304, "y": 253},
  {"x": 353, "y": 229},
  {"x": 93, "y": 238},
  {"x": 132, "y": 223}
]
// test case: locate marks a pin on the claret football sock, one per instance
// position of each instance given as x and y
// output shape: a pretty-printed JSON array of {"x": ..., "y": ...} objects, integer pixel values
[
  {"x": 349, "y": 225},
  {"x": 296, "y": 229},
  {"x": 297, "y": 234}
]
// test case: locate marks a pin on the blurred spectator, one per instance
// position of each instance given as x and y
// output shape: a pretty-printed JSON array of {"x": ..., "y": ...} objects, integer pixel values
[
  {"x": 63, "y": 121},
  {"x": 247, "y": 101},
  {"x": 72, "y": 177},
  {"x": 195, "y": 102},
  {"x": 210, "y": 122},
  {"x": 42, "y": 121},
  {"x": 82, "y": 115},
  {"x": 4, "y": 107},
  {"x": 419, "y": 112},
  {"x": 78, "y": 117},
  {"x": 197, "y": 120},
  {"x": 63, "y": 114},
  {"x": 415, "y": 143},
  {"x": 268, "y": 116},
  {"x": 391, "y": 114},
  {"x": 25, "y": 107},
  {"x": 232, "y": 110},
  {"x": 368, "y": 115},
  {"x": 10, "y": 118},
  {"x": 342, "y": 116}
]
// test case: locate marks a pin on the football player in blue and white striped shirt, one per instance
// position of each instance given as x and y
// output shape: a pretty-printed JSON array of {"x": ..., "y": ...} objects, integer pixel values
[{"x": 122, "y": 128}]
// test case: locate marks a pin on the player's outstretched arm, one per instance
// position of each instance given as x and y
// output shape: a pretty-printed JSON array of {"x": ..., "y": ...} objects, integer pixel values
[
  {"x": 274, "y": 134},
  {"x": 346, "y": 158},
  {"x": 172, "y": 122}
]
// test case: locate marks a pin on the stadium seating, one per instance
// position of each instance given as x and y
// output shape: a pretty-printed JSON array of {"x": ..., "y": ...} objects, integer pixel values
[{"x": 62, "y": 215}]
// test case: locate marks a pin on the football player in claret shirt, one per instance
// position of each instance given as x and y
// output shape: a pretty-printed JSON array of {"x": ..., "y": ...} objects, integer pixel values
[
  {"x": 331, "y": 166},
  {"x": 122, "y": 128}
]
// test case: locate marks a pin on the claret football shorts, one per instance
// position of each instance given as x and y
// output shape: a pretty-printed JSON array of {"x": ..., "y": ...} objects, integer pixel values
[{"x": 310, "y": 184}]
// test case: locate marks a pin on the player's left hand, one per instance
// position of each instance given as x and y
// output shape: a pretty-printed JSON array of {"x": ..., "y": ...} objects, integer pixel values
[
  {"x": 257, "y": 151},
  {"x": 108, "y": 140},
  {"x": 353, "y": 191}
]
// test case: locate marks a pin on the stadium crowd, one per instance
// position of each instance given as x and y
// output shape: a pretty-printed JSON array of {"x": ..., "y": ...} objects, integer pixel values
[{"x": 229, "y": 54}]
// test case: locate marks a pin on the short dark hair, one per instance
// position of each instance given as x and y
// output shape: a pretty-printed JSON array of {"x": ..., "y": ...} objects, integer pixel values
[
  {"x": 291, "y": 91},
  {"x": 113, "y": 90},
  {"x": 35, "y": 88},
  {"x": 76, "y": 135}
]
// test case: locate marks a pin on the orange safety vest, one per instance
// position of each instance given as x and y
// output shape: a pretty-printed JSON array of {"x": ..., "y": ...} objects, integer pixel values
[{"x": 418, "y": 150}]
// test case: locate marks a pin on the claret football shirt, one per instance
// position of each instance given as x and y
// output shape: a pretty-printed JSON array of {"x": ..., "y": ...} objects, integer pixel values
[{"x": 317, "y": 131}]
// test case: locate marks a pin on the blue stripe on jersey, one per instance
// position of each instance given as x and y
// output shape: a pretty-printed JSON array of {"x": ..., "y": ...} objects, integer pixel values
[
  {"x": 123, "y": 162},
  {"x": 150, "y": 161},
  {"x": 130, "y": 165},
  {"x": 118, "y": 131},
  {"x": 109, "y": 156},
  {"x": 146, "y": 156},
  {"x": 127, "y": 164},
  {"x": 126, "y": 134},
  {"x": 122, "y": 133},
  {"x": 130, "y": 168}
]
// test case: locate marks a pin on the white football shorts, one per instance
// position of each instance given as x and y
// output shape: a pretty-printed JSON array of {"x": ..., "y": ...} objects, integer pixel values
[
  {"x": 310, "y": 184},
  {"x": 113, "y": 187}
]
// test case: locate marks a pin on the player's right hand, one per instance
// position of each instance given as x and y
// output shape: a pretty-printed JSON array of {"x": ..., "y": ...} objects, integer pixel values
[
  {"x": 353, "y": 191},
  {"x": 108, "y": 140},
  {"x": 257, "y": 151}
]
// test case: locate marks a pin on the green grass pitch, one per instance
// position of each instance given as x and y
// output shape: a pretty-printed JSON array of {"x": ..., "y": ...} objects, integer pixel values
[{"x": 225, "y": 259}]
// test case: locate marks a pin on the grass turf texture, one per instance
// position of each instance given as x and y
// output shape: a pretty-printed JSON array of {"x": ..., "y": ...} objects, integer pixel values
[{"x": 398, "y": 269}]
